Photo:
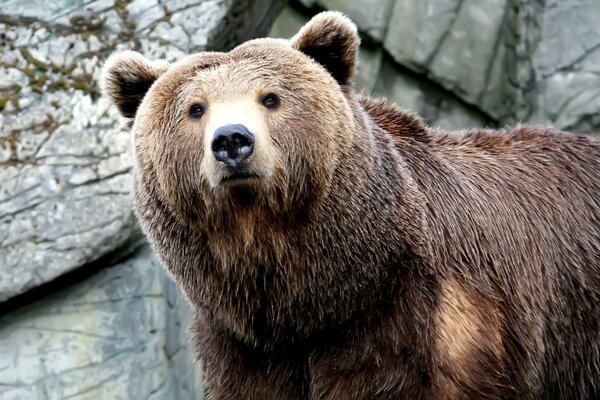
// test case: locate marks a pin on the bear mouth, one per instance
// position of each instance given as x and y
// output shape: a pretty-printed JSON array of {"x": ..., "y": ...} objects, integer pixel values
[{"x": 240, "y": 177}]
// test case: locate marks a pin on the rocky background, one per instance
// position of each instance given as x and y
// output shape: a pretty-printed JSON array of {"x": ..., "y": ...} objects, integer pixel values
[{"x": 86, "y": 312}]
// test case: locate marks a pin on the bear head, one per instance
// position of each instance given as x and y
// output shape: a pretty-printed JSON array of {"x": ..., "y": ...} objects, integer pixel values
[
  {"x": 263, "y": 184},
  {"x": 261, "y": 127}
]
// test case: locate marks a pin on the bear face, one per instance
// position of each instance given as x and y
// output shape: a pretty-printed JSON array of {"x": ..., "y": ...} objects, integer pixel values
[{"x": 263, "y": 125}]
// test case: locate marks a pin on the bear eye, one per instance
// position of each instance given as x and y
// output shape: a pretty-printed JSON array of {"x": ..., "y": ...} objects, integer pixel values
[
  {"x": 197, "y": 110},
  {"x": 270, "y": 100}
]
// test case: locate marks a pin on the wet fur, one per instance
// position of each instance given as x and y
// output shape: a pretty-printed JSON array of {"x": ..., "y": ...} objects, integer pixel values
[{"x": 413, "y": 263}]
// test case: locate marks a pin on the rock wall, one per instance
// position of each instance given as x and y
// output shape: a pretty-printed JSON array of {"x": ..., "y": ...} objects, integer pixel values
[
  {"x": 85, "y": 312},
  {"x": 115, "y": 335},
  {"x": 464, "y": 63}
]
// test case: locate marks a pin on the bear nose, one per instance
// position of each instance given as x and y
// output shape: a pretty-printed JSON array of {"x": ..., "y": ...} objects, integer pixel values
[{"x": 232, "y": 144}]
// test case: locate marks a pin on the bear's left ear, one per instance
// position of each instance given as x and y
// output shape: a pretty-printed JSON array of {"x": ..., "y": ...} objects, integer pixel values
[
  {"x": 331, "y": 39},
  {"x": 127, "y": 77}
]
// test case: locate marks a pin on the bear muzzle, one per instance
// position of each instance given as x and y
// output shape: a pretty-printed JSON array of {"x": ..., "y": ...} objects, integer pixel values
[{"x": 232, "y": 145}]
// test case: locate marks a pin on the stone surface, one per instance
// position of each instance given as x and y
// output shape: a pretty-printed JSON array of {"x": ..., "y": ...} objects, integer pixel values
[
  {"x": 287, "y": 23},
  {"x": 567, "y": 62},
  {"x": 452, "y": 40},
  {"x": 119, "y": 334},
  {"x": 435, "y": 105},
  {"x": 369, "y": 68},
  {"x": 517, "y": 60},
  {"x": 64, "y": 156}
]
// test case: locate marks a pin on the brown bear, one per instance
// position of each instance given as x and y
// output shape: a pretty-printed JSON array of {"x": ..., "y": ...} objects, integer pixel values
[{"x": 336, "y": 247}]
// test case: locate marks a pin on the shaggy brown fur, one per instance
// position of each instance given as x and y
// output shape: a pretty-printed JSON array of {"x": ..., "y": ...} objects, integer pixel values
[{"x": 373, "y": 257}]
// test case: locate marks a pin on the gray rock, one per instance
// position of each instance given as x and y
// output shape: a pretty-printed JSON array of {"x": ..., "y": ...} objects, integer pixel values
[
  {"x": 64, "y": 157},
  {"x": 517, "y": 60},
  {"x": 452, "y": 40},
  {"x": 466, "y": 53},
  {"x": 287, "y": 23},
  {"x": 369, "y": 68},
  {"x": 568, "y": 65},
  {"x": 435, "y": 105},
  {"x": 119, "y": 334},
  {"x": 512, "y": 93},
  {"x": 417, "y": 28}
]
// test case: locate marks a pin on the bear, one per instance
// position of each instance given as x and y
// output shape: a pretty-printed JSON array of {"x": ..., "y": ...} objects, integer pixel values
[{"x": 335, "y": 246}]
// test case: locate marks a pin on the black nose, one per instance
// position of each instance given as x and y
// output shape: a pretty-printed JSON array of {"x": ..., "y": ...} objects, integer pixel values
[{"x": 232, "y": 144}]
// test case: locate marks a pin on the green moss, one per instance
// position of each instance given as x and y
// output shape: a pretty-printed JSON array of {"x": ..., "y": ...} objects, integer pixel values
[
  {"x": 76, "y": 19},
  {"x": 32, "y": 60},
  {"x": 30, "y": 72},
  {"x": 35, "y": 239},
  {"x": 121, "y": 4},
  {"x": 125, "y": 35},
  {"x": 84, "y": 82},
  {"x": 4, "y": 97},
  {"x": 95, "y": 23},
  {"x": 36, "y": 81},
  {"x": 10, "y": 142},
  {"x": 80, "y": 85},
  {"x": 59, "y": 84},
  {"x": 121, "y": 9},
  {"x": 62, "y": 70},
  {"x": 50, "y": 124},
  {"x": 168, "y": 15},
  {"x": 40, "y": 80},
  {"x": 11, "y": 94},
  {"x": 130, "y": 25}
]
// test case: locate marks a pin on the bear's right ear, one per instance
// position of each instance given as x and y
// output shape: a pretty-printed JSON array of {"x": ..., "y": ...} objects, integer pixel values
[
  {"x": 332, "y": 40},
  {"x": 127, "y": 77}
]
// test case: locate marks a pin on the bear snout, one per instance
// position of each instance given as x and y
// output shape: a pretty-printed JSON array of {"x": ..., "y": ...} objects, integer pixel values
[{"x": 232, "y": 144}]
